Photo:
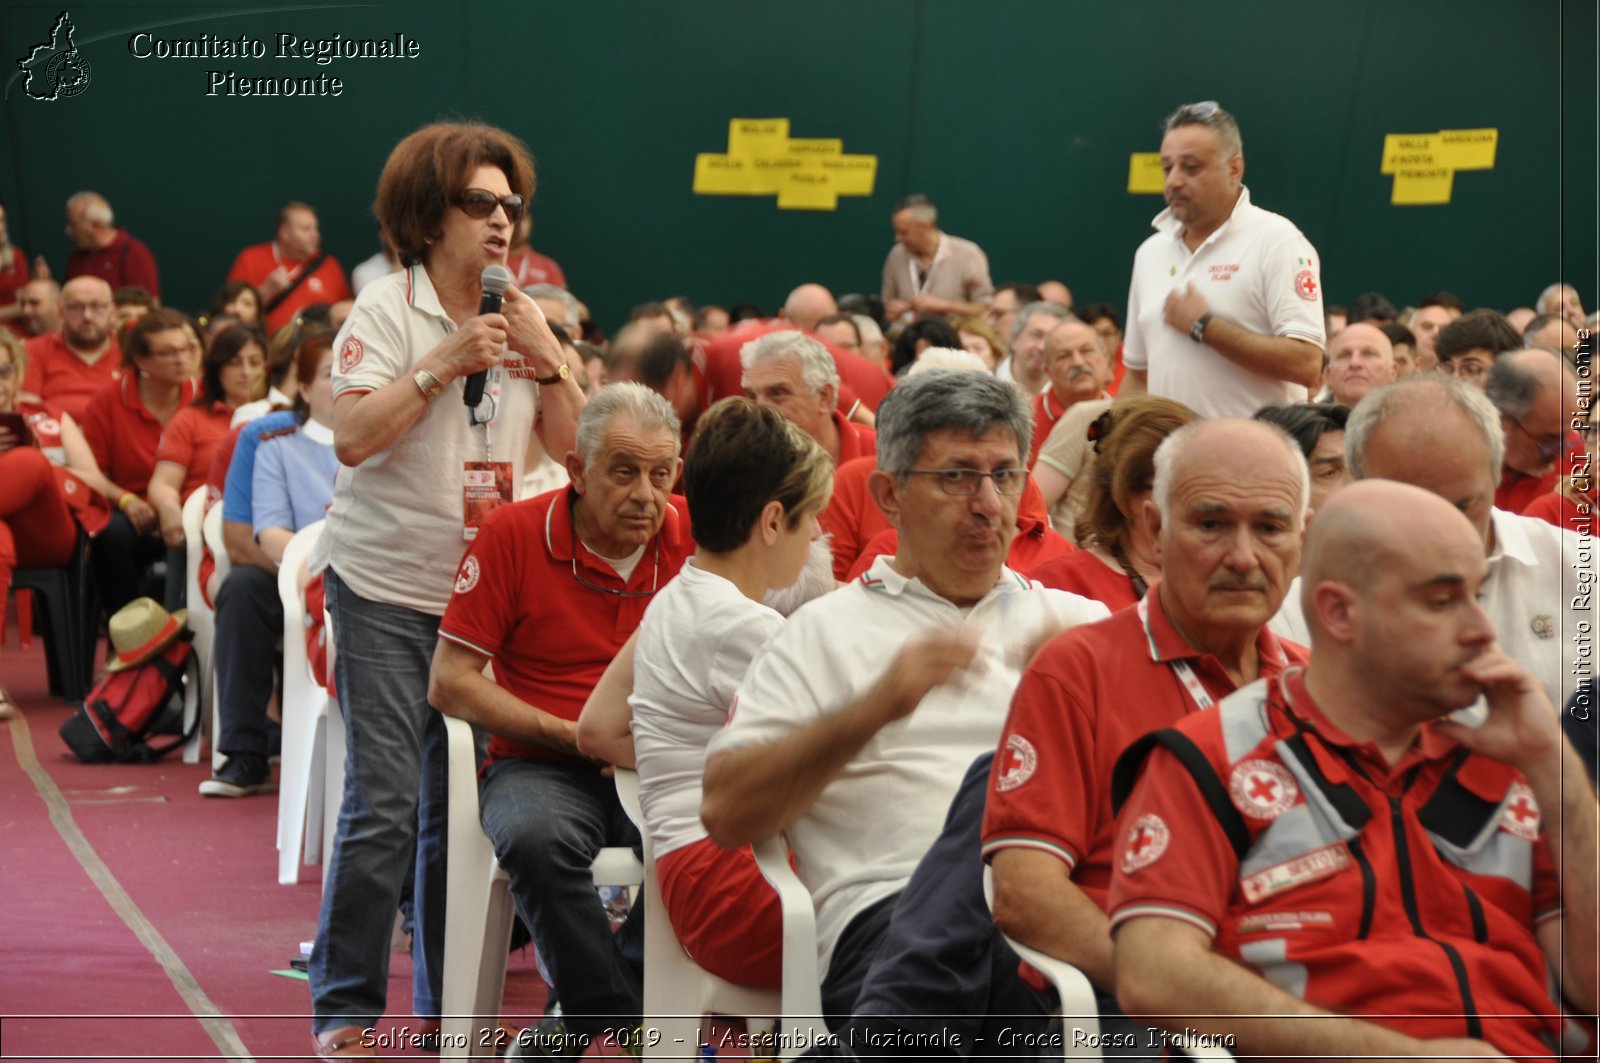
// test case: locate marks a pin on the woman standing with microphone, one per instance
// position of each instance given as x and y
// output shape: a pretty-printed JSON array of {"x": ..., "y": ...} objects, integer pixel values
[{"x": 422, "y": 471}]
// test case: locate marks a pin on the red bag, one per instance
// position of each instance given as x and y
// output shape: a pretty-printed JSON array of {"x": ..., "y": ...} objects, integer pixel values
[{"x": 125, "y": 708}]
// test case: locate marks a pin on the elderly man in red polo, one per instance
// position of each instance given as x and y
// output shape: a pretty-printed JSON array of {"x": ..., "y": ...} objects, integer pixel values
[
  {"x": 796, "y": 375},
  {"x": 549, "y": 591}
]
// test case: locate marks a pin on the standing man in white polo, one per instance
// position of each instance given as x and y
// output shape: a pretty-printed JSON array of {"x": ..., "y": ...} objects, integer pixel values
[{"x": 1225, "y": 307}]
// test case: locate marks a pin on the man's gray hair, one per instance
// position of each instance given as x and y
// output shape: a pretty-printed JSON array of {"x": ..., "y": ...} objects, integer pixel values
[
  {"x": 817, "y": 367},
  {"x": 1166, "y": 456},
  {"x": 959, "y": 400},
  {"x": 1556, "y": 290},
  {"x": 870, "y": 332},
  {"x": 1418, "y": 398},
  {"x": 1512, "y": 387},
  {"x": 568, "y": 301},
  {"x": 1211, "y": 115},
  {"x": 1055, "y": 310},
  {"x": 920, "y": 207},
  {"x": 95, "y": 208},
  {"x": 646, "y": 408}
]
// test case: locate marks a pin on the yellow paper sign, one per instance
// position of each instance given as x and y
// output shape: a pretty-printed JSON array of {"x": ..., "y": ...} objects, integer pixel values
[
  {"x": 1144, "y": 174},
  {"x": 1423, "y": 187},
  {"x": 805, "y": 173},
  {"x": 1410, "y": 151},
  {"x": 1468, "y": 149}
]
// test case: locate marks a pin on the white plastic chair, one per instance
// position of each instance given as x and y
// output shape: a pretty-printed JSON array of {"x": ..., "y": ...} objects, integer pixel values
[
  {"x": 211, "y": 530},
  {"x": 1078, "y": 1008},
  {"x": 202, "y": 621},
  {"x": 802, "y": 985},
  {"x": 678, "y": 992},
  {"x": 479, "y": 909},
  {"x": 305, "y": 711}
]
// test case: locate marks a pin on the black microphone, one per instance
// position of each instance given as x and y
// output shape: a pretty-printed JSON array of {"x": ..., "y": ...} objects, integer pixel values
[{"x": 495, "y": 280}]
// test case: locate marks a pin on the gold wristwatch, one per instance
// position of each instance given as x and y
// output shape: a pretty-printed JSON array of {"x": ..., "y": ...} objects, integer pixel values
[
  {"x": 561, "y": 373},
  {"x": 428, "y": 384}
]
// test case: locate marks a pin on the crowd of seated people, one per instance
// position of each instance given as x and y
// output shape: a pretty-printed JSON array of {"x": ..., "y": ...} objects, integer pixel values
[{"x": 940, "y": 578}]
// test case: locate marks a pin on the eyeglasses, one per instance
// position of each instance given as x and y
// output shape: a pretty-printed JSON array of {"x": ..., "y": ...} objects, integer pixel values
[
  {"x": 170, "y": 352},
  {"x": 480, "y": 203},
  {"x": 484, "y": 412},
  {"x": 6, "y": 371},
  {"x": 964, "y": 482},
  {"x": 655, "y": 579},
  {"x": 85, "y": 308},
  {"x": 1547, "y": 451}
]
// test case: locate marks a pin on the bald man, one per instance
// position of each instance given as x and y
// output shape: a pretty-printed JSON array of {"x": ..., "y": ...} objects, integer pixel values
[
  {"x": 807, "y": 305},
  {"x": 1442, "y": 434},
  {"x": 1562, "y": 300},
  {"x": 1360, "y": 358},
  {"x": 1537, "y": 394},
  {"x": 66, "y": 367},
  {"x": 1253, "y": 837},
  {"x": 1230, "y": 500},
  {"x": 100, "y": 249},
  {"x": 39, "y": 308}
]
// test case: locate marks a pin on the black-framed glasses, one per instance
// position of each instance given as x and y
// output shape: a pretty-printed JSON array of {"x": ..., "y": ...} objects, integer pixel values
[
  {"x": 967, "y": 481},
  {"x": 484, "y": 412},
  {"x": 1547, "y": 450},
  {"x": 480, "y": 203},
  {"x": 655, "y": 580}
]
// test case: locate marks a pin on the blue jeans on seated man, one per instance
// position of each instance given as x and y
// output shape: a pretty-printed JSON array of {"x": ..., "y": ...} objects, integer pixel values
[
  {"x": 393, "y": 816},
  {"x": 548, "y": 820},
  {"x": 925, "y": 973}
]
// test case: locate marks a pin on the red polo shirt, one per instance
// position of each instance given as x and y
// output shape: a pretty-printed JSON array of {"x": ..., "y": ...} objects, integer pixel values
[
  {"x": 1086, "y": 697},
  {"x": 528, "y": 266},
  {"x": 1081, "y": 572},
  {"x": 1518, "y": 491},
  {"x": 58, "y": 376},
  {"x": 855, "y": 440},
  {"x": 123, "y": 434},
  {"x": 327, "y": 285},
  {"x": 1047, "y": 411},
  {"x": 191, "y": 439},
  {"x": 122, "y": 262},
  {"x": 529, "y": 595}
]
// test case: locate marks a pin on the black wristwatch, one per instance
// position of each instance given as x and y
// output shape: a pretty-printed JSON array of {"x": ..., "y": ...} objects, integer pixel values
[{"x": 1200, "y": 324}]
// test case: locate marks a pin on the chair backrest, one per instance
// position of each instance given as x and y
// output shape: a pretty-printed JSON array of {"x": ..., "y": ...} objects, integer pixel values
[
  {"x": 211, "y": 529},
  {"x": 291, "y": 595},
  {"x": 194, "y": 511}
]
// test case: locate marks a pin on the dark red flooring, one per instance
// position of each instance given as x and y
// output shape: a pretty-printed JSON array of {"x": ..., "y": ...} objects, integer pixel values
[{"x": 77, "y": 983}]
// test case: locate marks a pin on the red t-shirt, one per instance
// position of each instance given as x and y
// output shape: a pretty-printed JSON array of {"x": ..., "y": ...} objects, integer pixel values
[
  {"x": 1518, "y": 491},
  {"x": 1081, "y": 572},
  {"x": 58, "y": 376},
  {"x": 855, "y": 440},
  {"x": 528, "y": 266},
  {"x": 124, "y": 261},
  {"x": 524, "y": 599},
  {"x": 13, "y": 275},
  {"x": 1087, "y": 695},
  {"x": 858, "y": 378},
  {"x": 123, "y": 434},
  {"x": 1477, "y": 878},
  {"x": 191, "y": 439},
  {"x": 327, "y": 285}
]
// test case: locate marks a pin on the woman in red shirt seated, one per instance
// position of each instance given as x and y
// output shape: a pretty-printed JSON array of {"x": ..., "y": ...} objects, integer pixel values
[
  {"x": 1116, "y": 558},
  {"x": 47, "y": 477},
  {"x": 230, "y": 375}
]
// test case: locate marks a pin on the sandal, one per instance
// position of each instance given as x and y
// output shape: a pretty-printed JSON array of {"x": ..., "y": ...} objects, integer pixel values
[{"x": 344, "y": 1042}]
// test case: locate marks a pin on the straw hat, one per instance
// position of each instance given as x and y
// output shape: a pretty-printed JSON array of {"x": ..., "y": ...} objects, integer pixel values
[{"x": 140, "y": 630}]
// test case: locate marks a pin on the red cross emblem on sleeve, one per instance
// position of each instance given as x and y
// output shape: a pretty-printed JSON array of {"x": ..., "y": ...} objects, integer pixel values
[
  {"x": 1147, "y": 839},
  {"x": 1305, "y": 283},
  {"x": 1521, "y": 815},
  {"x": 1262, "y": 789}
]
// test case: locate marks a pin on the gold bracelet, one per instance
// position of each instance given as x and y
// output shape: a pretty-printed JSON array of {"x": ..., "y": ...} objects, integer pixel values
[{"x": 122, "y": 503}]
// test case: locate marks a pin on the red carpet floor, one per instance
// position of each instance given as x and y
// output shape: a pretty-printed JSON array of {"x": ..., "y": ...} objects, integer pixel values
[{"x": 195, "y": 878}]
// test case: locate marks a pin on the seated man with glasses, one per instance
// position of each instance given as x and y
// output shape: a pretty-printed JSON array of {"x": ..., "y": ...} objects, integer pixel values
[
  {"x": 550, "y": 590},
  {"x": 1536, "y": 393},
  {"x": 855, "y": 726},
  {"x": 67, "y": 366},
  {"x": 1468, "y": 346}
]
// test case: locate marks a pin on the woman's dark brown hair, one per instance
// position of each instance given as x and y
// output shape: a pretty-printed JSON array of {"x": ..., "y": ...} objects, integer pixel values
[
  {"x": 1125, "y": 464},
  {"x": 431, "y": 167}
]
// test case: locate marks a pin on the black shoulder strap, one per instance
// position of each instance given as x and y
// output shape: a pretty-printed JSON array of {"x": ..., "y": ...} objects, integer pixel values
[
  {"x": 1215, "y": 793},
  {"x": 311, "y": 267},
  {"x": 1342, "y": 796},
  {"x": 1454, "y": 812}
]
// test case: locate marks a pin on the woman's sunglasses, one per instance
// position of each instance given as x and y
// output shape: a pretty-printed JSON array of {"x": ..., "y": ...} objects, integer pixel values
[{"x": 480, "y": 203}]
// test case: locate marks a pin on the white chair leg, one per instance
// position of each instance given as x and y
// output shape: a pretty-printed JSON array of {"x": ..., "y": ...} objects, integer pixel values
[
  {"x": 316, "y": 788},
  {"x": 294, "y": 778}
]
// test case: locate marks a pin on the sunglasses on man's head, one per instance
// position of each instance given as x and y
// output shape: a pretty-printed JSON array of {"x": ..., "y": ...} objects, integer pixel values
[{"x": 480, "y": 203}]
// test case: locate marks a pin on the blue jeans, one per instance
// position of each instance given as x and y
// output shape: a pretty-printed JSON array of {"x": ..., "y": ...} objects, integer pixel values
[
  {"x": 547, "y": 821},
  {"x": 394, "y": 803}
]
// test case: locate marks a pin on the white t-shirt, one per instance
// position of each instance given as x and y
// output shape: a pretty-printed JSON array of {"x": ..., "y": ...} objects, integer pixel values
[
  {"x": 1258, "y": 271},
  {"x": 861, "y": 840},
  {"x": 1534, "y": 595},
  {"x": 695, "y": 644},
  {"x": 395, "y": 529}
]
